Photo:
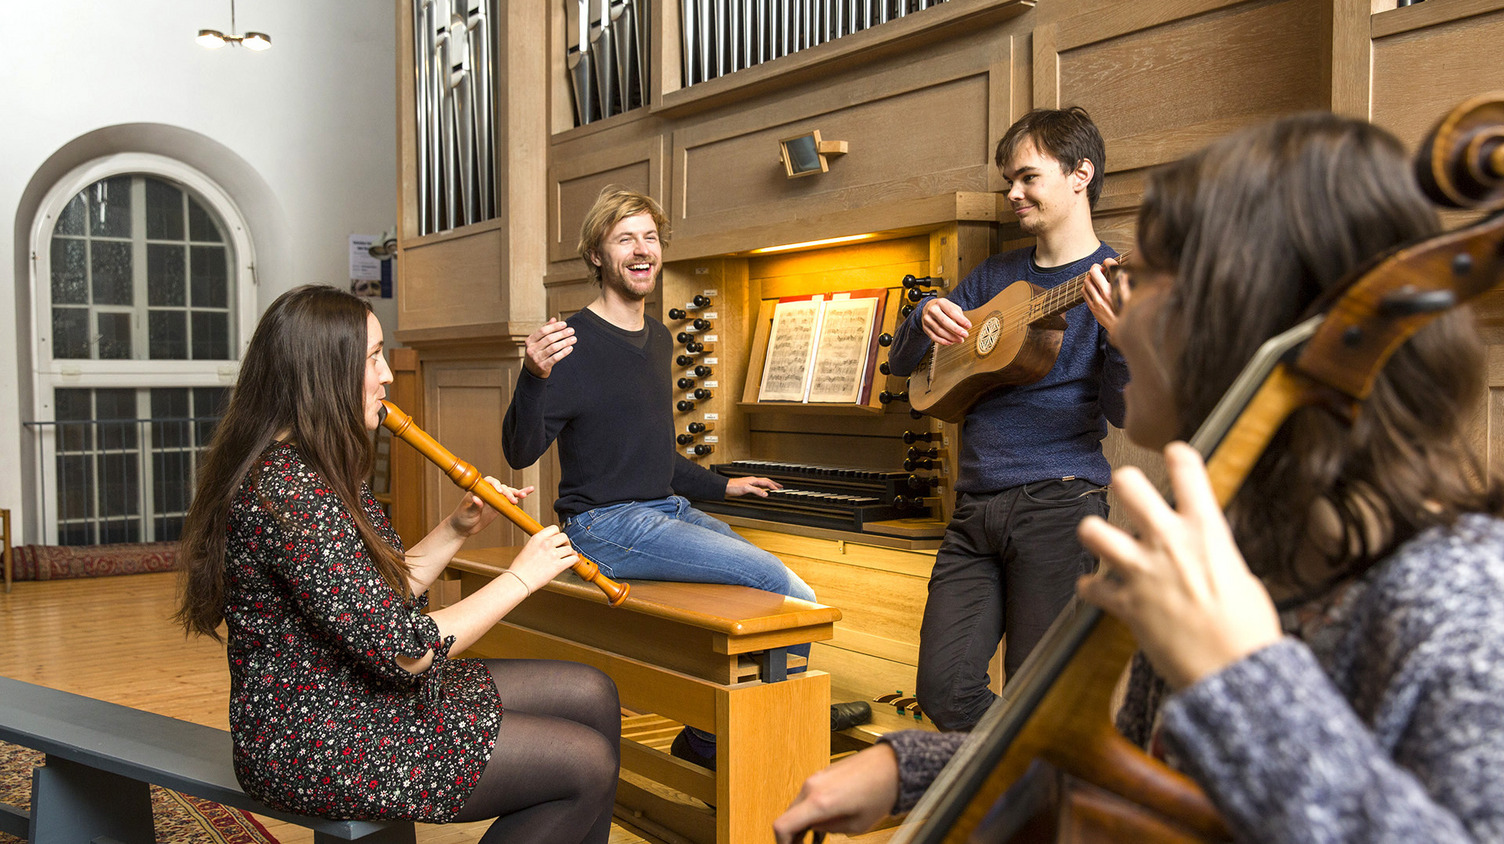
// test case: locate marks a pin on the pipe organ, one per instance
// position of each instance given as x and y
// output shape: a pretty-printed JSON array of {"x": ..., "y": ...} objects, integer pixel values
[
  {"x": 921, "y": 101},
  {"x": 723, "y": 36},
  {"x": 454, "y": 52}
]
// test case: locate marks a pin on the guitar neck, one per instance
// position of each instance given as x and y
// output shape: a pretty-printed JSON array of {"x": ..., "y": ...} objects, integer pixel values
[
  {"x": 1058, "y": 299},
  {"x": 1062, "y": 297}
]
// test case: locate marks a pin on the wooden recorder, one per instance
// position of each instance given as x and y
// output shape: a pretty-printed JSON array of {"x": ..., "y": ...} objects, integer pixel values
[{"x": 468, "y": 478}]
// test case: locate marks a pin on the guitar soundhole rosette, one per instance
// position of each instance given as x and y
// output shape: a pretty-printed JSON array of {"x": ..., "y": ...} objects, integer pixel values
[{"x": 987, "y": 335}]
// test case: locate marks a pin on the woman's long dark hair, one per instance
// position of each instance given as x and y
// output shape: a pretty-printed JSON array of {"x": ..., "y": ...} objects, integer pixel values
[
  {"x": 1254, "y": 229},
  {"x": 303, "y": 376}
]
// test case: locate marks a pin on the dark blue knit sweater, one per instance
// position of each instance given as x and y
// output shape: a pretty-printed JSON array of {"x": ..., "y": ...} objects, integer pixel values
[
  {"x": 1052, "y": 428},
  {"x": 610, "y": 404}
]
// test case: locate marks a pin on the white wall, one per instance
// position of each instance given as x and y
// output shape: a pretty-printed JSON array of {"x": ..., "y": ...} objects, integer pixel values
[{"x": 302, "y": 136}]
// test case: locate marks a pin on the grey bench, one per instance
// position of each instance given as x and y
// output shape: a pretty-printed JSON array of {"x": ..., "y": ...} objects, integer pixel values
[{"x": 101, "y": 757}]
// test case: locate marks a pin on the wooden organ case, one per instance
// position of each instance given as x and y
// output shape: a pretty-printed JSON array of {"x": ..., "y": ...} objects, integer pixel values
[{"x": 920, "y": 103}]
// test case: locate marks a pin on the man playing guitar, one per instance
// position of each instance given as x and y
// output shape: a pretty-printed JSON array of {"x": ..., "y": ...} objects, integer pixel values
[{"x": 1031, "y": 463}]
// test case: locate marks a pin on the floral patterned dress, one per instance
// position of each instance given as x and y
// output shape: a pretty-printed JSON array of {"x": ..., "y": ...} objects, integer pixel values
[{"x": 324, "y": 721}]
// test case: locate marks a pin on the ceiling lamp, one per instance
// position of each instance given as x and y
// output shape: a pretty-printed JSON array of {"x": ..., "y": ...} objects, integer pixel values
[{"x": 213, "y": 39}]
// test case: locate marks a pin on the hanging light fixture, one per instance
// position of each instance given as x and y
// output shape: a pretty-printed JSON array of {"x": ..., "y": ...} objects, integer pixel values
[{"x": 213, "y": 39}]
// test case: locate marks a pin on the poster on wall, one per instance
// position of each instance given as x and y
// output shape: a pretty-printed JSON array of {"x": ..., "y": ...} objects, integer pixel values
[{"x": 369, "y": 275}]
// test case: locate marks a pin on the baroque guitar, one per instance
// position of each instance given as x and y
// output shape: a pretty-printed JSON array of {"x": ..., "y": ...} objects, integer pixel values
[{"x": 1014, "y": 339}]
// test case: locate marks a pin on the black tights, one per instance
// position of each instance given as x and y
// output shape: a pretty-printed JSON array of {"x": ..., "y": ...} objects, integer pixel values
[{"x": 553, "y": 767}]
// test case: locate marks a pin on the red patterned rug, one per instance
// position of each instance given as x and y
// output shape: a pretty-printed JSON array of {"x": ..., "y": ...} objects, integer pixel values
[
  {"x": 179, "y": 819},
  {"x": 56, "y": 562}
]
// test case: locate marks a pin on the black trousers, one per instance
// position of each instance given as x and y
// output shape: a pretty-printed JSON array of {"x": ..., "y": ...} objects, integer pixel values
[{"x": 1008, "y": 564}]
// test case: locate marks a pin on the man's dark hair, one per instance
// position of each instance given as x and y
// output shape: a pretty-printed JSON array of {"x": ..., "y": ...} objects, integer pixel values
[{"x": 1066, "y": 135}]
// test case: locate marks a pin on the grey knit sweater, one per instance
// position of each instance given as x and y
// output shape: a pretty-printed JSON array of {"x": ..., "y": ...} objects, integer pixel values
[{"x": 1383, "y": 722}]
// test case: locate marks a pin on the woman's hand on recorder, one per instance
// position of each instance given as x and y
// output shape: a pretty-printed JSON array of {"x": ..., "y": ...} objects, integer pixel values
[
  {"x": 546, "y": 553},
  {"x": 472, "y": 515}
]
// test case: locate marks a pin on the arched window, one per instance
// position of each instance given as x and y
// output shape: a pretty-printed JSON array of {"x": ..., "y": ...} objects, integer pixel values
[{"x": 143, "y": 285}]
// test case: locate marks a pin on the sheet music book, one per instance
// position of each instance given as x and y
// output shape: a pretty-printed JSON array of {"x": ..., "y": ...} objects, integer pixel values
[{"x": 819, "y": 349}]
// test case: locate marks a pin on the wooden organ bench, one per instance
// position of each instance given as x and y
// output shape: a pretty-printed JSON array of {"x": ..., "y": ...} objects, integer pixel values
[
  {"x": 708, "y": 655},
  {"x": 101, "y": 757}
]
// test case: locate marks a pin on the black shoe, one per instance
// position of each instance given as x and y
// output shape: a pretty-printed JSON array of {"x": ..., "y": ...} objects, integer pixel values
[
  {"x": 682, "y": 749},
  {"x": 844, "y": 716}
]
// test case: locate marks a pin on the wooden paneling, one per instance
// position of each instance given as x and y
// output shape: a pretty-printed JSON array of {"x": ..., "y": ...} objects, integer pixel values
[
  {"x": 1425, "y": 60},
  {"x": 622, "y": 157},
  {"x": 465, "y": 401},
  {"x": 881, "y": 593},
  {"x": 1160, "y": 86},
  {"x": 1489, "y": 439},
  {"x": 407, "y": 463},
  {"x": 730, "y": 170},
  {"x": 452, "y": 281}
]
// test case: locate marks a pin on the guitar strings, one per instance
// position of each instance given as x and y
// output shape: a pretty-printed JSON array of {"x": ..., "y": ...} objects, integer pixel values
[{"x": 1048, "y": 302}]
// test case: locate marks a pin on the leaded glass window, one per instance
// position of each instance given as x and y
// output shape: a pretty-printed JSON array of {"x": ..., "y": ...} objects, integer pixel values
[{"x": 141, "y": 270}]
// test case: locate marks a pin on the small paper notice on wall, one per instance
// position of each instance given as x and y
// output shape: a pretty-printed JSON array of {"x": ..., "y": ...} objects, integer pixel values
[{"x": 369, "y": 276}]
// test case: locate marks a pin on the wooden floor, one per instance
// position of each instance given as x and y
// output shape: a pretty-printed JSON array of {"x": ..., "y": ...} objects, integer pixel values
[{"x": 111, "y": 638}]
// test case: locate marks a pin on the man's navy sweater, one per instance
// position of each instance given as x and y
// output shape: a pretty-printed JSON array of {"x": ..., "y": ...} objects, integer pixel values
[
  {"x": 1052, "y": 428},
  {"x": 610, "y": 404}
]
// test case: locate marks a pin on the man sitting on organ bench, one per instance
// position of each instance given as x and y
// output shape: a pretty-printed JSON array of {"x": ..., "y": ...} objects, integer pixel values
[{"x": 601, "y": 384}]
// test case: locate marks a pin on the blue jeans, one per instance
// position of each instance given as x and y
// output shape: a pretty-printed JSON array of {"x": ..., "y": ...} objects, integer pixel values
[{"x": 667, "y": 539}]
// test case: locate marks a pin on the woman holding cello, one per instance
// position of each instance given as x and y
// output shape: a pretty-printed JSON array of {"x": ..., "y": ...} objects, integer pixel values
[
  {"x": 344, "y": 702},
  {"x": 1325, "y": 659}
]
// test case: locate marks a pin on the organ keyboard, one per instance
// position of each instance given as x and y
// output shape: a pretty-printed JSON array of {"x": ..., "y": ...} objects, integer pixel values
[{"x": 842, "y": 498}]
